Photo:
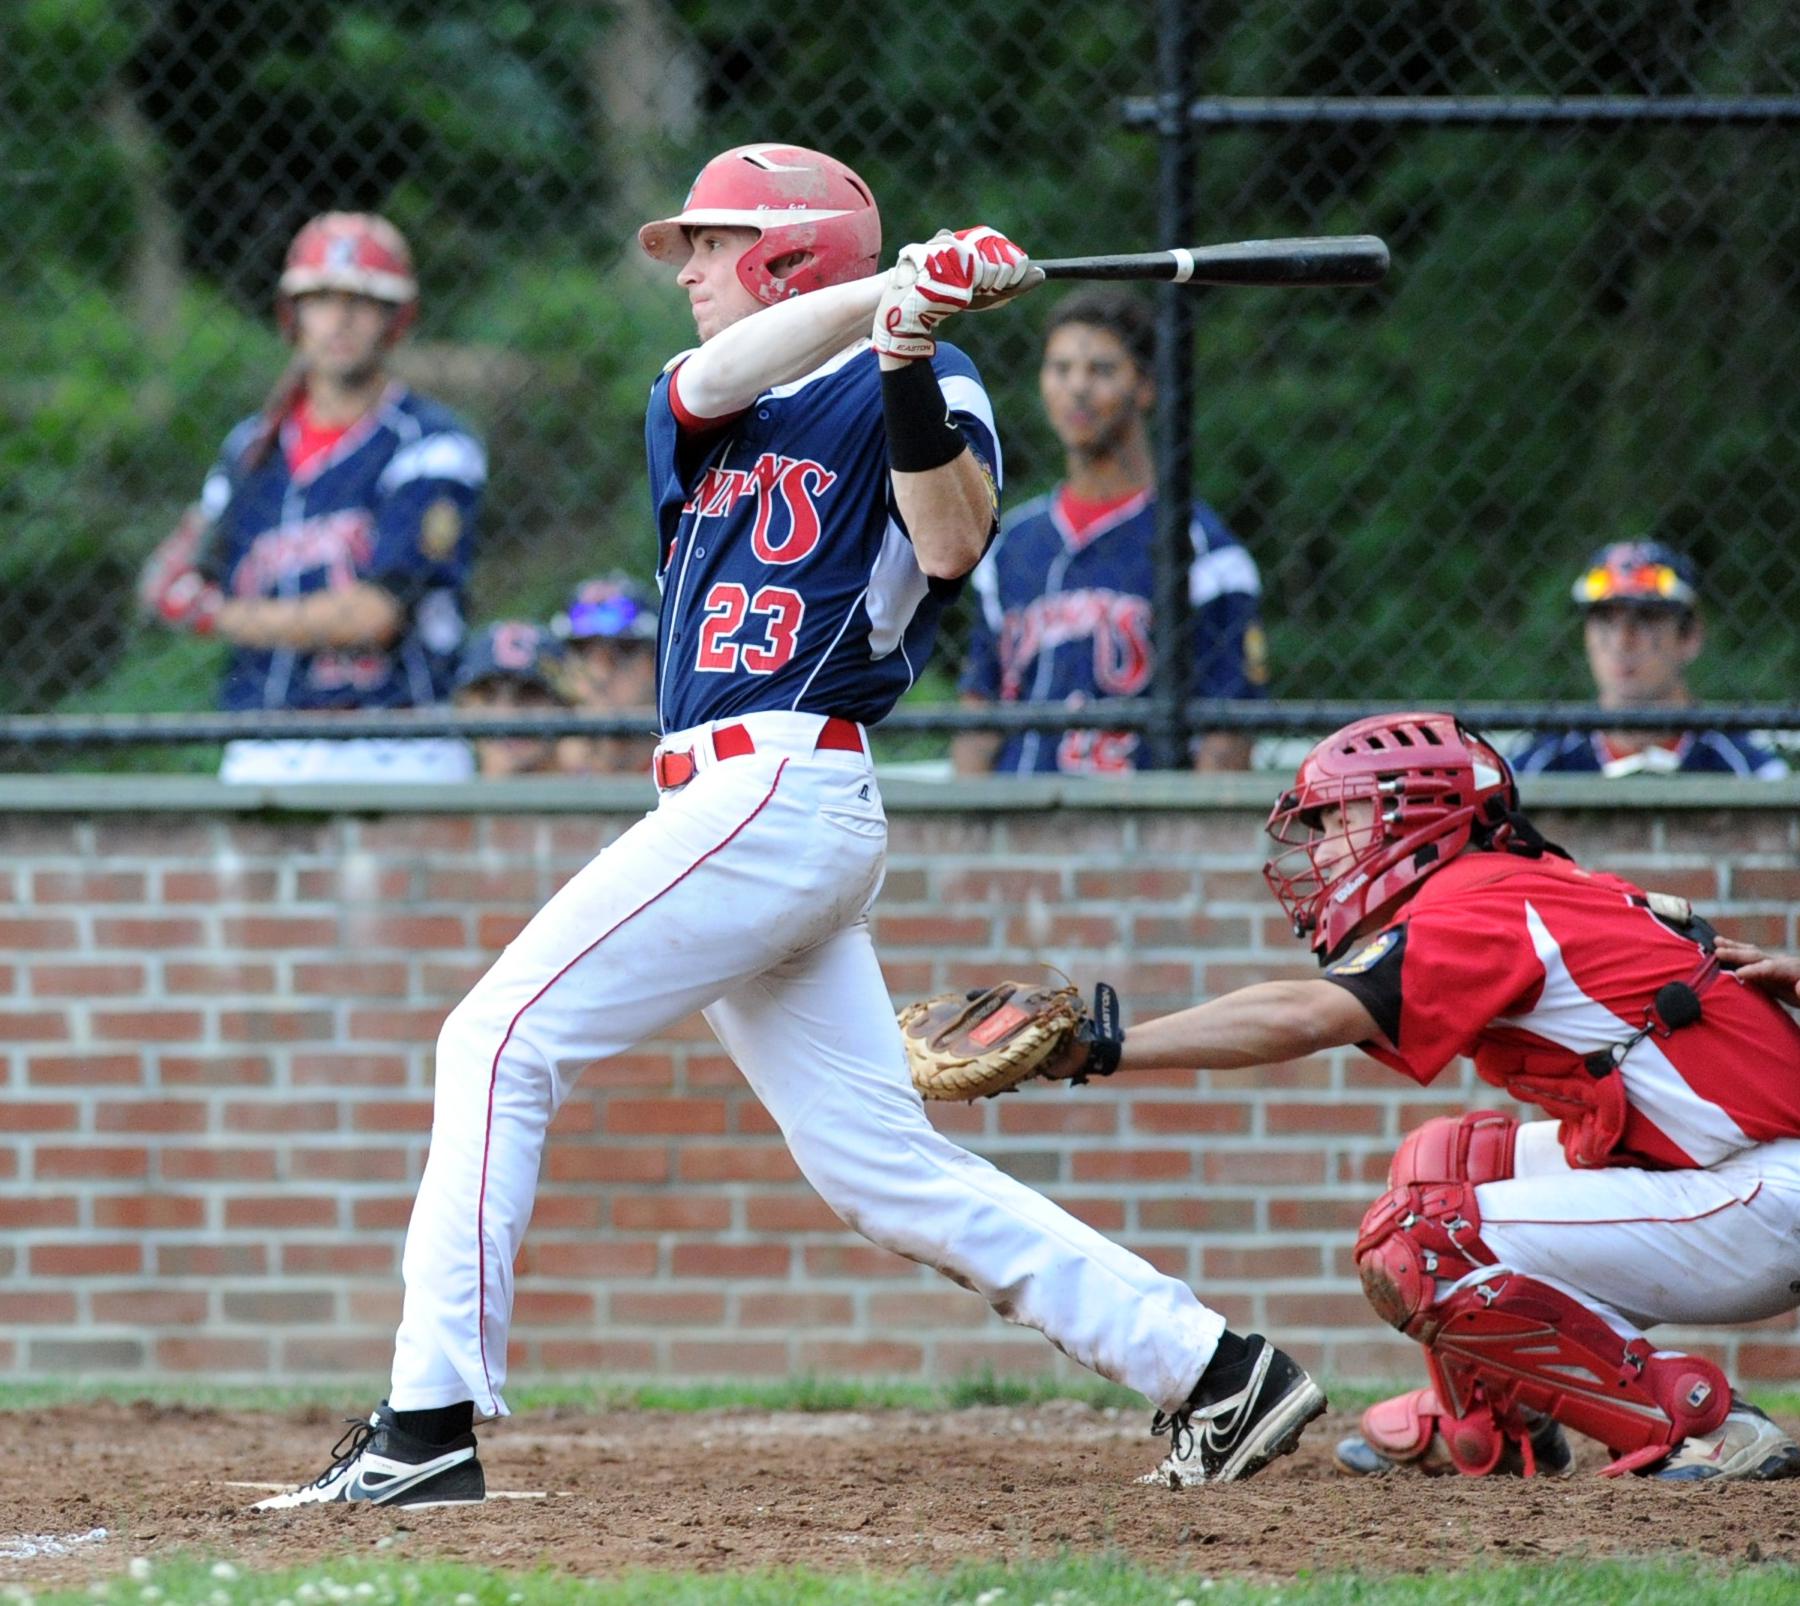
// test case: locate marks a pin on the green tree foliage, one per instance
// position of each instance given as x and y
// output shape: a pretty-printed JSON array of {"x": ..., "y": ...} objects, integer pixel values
[{"x": 1587, "y": 334}]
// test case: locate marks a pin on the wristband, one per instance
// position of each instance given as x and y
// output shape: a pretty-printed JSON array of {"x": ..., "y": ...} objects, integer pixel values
[
  {"x": 1103, "y": 1036},
  {"x": 921, "y": 434}
]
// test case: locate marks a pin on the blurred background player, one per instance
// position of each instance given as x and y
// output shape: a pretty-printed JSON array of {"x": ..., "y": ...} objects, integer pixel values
[
  {"x": 1063, "y": 601},
  {"x": 1641, "y": 623},
  {"x": 332, "y": 553},
  {"x": 609, "y": 632},
  {"x": 515, "y": 666}
]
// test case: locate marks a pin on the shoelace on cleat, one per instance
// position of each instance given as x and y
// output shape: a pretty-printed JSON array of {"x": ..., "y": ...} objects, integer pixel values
[
  {"x": 346, "y": 1450},
  {"x": 1176, "y": 1424}
]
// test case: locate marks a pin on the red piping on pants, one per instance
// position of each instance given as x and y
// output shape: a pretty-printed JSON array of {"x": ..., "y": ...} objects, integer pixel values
[{"x": 494, "y": 1068}]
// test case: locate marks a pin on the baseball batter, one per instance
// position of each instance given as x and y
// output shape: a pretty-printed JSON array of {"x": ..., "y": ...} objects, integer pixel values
[
  {"x": 332, "y": 542},
  {"x": 1529, "y": 1260},
  {"x": 822, "y": 475}
]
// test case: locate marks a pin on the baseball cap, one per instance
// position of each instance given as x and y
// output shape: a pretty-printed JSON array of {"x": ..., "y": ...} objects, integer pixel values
[
  {"x": 1646, "y": 574},
  {"x": 611, "y": 607},
  {"x": 511, "y": 649}
]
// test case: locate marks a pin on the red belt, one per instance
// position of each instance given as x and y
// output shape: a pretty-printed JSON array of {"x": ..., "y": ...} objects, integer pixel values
[{"x": 734, "y": 741}]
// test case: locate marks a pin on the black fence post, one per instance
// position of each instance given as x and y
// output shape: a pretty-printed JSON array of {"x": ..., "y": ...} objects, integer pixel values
[{"x": 1176, "y": 140}]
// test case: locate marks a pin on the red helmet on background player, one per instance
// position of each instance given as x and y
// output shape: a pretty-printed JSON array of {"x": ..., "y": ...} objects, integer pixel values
[
  {"x": 1432, "y": 784},
  {"x": 799, "y": 201},
  {"x": 354, "y": 251}
]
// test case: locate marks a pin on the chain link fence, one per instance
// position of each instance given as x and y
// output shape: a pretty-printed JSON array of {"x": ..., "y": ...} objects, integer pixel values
[{"x": 1591, "y": 331}]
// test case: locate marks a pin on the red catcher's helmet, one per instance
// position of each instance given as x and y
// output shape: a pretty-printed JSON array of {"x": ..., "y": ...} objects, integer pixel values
[
  {"x": 797, "y": 200},
  {"x": 354, "y": 251},
  {"x": 1432, "y": 784}
]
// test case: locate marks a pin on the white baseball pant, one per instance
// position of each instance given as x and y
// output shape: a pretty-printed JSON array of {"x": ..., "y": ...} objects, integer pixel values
[
  {"x": 1645, "y": 1247},
  {"x": 745, "y": 894}
]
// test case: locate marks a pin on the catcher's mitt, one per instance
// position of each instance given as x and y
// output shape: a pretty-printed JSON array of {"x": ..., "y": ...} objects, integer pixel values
[{"x": 985, "y": 1042}]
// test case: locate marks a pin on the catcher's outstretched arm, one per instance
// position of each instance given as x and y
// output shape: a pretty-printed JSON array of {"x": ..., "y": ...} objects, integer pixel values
[{"x": 1257, "y": 1025}]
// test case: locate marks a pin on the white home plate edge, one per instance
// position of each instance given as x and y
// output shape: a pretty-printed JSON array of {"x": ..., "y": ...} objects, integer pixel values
[
  {"x": 492, "y": 1494},
  {"x": 23, "y": 1547}
]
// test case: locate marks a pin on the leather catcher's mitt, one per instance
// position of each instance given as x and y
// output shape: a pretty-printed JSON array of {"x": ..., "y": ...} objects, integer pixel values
[{"x": 986, "y": 1042}]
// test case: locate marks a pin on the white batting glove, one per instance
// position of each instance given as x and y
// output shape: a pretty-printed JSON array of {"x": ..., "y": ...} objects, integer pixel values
[{"x": 929, "y": 283}]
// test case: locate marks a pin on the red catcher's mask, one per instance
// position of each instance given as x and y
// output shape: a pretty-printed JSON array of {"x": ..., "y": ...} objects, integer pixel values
[{"x": 1430, "y": 786}]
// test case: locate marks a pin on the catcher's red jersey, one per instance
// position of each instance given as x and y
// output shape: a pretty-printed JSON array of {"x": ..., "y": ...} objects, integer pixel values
[{"x": 1530, "y": 964}]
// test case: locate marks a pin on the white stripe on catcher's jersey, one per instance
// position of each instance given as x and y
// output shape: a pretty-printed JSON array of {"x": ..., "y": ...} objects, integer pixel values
[
  {"x": 449, "y": 456},
  {"x": 1565, "y": 1015},
  {"x": 1226, "y": 570}
]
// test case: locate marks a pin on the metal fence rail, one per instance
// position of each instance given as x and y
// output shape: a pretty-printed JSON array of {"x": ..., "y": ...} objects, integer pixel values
[
  {"x": 1590, "y": 331},
  {"x": 26, "y": 732}
]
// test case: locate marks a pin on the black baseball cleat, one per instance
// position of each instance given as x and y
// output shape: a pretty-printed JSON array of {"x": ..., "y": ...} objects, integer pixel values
[
  {"x": 1235, "y": 1423},
  {"x": 379, "y": 1463}
]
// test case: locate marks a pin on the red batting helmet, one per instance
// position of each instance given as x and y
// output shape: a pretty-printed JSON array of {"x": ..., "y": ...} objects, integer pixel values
[
  {"x": 354, "y": 251},
  {"x": 797, "y": 200},
  {"x": 1433, "y": 786}
]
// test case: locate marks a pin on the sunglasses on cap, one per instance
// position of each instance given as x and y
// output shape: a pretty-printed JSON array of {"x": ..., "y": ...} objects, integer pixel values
[
  {"x": 617, "y": 615},
  {"x": 1647, "y": 582}
]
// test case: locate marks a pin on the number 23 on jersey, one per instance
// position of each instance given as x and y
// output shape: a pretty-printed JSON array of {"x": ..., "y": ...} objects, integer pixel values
[{"x": 726, "y": 645}]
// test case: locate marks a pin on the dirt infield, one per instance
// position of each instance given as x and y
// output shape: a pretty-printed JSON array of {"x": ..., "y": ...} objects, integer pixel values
[{"x": 886, "y": 1490}]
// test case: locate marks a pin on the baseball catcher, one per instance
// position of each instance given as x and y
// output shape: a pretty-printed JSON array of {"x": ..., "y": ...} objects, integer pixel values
[{"x": 1528, "y": 1260}]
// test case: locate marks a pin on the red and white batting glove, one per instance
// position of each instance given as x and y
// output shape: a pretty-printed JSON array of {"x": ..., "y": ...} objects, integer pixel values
[
  {"x": 929, "y": 283},
  {"x": 172, "y": 586},
  {"x": 1002, "y": 269}
]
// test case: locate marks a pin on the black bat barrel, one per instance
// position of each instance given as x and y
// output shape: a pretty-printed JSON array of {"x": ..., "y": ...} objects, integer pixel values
[{"x": 1332, "y": 260}]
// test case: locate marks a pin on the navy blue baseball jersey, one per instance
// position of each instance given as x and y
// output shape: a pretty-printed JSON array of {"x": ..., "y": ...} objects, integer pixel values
[
  {"x": 1064, "y": 616},
  {"x": 788, "y": 578},
  {"x": 392, "y": 503},
  {"x": 1695, "y": 753}
]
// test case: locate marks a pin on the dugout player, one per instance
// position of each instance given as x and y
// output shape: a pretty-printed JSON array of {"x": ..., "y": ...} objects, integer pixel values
[
  {"x": 1063, "y": 600},
  {"x": 1640, "y": 603},
  {"x": 609, "y": 629},
  {"x": 1529, "y": 1260},
  {"x": 823, "y": 474},
  {"x": 333, "y": 537},
  {"x": 515, "y": 666}
]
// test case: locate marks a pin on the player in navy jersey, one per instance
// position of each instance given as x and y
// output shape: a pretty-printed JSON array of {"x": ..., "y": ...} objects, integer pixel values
[
  {"x": 822, "y": 473},
  {"x": 1641, "y": 624},
  {"x": 1063, "y": 601},
  {"x": 333, "y": 537}
]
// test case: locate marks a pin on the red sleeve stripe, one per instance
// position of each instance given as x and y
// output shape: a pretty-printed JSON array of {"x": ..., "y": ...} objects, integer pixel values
[{"x": 691, "y": 422}]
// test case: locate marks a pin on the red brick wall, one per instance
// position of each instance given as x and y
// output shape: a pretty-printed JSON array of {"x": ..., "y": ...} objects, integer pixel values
[{"x": 215, "y": 1045}]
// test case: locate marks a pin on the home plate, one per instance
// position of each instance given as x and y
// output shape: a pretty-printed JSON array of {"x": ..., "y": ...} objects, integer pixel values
[{"x": 492, "y": 1494}]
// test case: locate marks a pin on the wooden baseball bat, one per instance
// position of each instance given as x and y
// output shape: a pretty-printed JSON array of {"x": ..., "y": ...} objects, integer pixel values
[{"x": 1334, "y": 259}]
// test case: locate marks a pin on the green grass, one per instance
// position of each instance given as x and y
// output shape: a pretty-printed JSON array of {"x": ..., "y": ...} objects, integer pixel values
[
  {"x": 781, "y": 1394},
  {"x": 1079, "y": 1581}
]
